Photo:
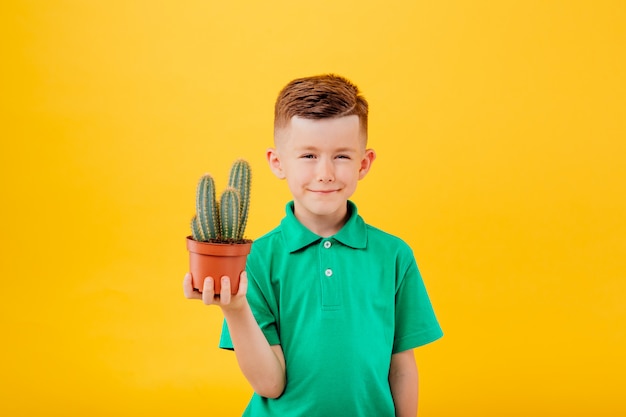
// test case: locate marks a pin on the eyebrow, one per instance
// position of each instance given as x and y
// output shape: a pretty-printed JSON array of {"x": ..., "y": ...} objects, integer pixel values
[{"x": 313, "y": 148}]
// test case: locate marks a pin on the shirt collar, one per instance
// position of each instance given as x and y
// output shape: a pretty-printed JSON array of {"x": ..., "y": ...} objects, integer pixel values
[{"x": 296, "y": 236}]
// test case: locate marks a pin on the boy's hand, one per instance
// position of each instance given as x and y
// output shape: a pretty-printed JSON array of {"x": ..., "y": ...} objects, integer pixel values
[{"x": 225, "y": 299}]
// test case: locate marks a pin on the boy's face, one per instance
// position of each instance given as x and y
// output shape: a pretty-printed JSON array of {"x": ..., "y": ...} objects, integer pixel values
[{"x": 322, "y": 161}]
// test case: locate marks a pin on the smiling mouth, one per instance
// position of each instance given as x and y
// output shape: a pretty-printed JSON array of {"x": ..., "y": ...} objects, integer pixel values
[{"x": 324, "y": 191}]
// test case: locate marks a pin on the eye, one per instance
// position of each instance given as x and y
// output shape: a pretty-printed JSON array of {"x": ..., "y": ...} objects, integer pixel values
[
  {"x": 342, "y": 157},
  {"x": 308, "y": 156}
]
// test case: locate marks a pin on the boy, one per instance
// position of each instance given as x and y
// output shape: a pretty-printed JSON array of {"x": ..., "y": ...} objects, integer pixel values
[{"x": 329, "y": 309}]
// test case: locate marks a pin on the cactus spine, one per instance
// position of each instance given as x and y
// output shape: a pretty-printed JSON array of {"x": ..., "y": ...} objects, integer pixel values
[{"x": 223, "y": 220}]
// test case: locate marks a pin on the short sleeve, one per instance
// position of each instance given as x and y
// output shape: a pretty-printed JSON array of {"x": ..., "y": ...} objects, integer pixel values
[
  {"x": 263, "y": 305},
  {"x": 416, "y": 323}
]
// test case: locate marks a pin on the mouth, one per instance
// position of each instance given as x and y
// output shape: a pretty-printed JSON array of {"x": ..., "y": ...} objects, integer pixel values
[{"x": 323, "y": 191}]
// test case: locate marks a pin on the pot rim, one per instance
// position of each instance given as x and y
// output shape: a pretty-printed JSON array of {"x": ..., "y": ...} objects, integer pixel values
[{"x": 218, "y": 249}]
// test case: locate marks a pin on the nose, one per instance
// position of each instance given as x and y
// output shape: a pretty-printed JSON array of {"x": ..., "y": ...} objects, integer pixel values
[{"x": 326, "y": 171}]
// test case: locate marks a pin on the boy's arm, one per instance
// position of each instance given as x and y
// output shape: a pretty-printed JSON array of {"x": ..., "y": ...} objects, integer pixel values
[
  {"x": 262, "y": 365},
  {"x": 403, "y": 381}
]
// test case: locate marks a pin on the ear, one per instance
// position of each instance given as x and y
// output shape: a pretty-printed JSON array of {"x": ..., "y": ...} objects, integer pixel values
[
  {"x": 366, "y": 163},
  {"x": 274, "y": 161}
]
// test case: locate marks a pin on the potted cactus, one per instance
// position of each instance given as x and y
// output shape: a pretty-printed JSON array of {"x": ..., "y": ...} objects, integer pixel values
[{"x": 216, "y": 245}]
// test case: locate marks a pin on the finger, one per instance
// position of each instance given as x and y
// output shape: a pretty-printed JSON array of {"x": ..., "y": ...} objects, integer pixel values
[
  {"x": 208, "y": 292},
  {"x": 225, "y": 293},
  {"x": 243, "y": 284},
  {"x": 188, "y": 287}
]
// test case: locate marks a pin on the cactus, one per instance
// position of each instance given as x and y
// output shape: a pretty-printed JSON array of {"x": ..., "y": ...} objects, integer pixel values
[
  {"x": 205, "y": 225},
  {"x": 229, "y": 214},
  {"x": 239, "y": 179},
  {"x": 223, "y": 221}
]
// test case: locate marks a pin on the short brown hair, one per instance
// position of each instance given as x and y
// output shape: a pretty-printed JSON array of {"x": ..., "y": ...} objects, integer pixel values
[{"x": 320, "y": 97}]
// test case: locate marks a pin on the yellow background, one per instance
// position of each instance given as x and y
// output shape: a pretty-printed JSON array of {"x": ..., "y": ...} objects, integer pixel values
[{"x": 500, "y": 130}]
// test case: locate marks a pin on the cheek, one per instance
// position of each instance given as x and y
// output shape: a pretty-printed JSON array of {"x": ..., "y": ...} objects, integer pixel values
[
  {"x": 297, "y": 177},
  {"x": 299, "y": 172},
  {"x": 348, "y": 173}
]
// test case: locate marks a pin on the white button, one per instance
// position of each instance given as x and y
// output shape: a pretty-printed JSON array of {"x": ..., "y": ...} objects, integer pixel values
[
  {"x": 329, "y": 272},
  {"x": 327, "y": 244}
]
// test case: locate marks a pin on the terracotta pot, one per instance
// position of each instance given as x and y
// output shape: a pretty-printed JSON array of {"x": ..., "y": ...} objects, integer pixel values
[{"x": 216, "y": 260}]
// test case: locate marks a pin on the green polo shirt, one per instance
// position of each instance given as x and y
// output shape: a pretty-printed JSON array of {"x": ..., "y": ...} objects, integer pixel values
[{"x": 339, "y": 307}]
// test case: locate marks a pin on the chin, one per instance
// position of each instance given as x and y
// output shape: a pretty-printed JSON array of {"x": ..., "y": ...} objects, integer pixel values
[{"x": 326, "y": 208}]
